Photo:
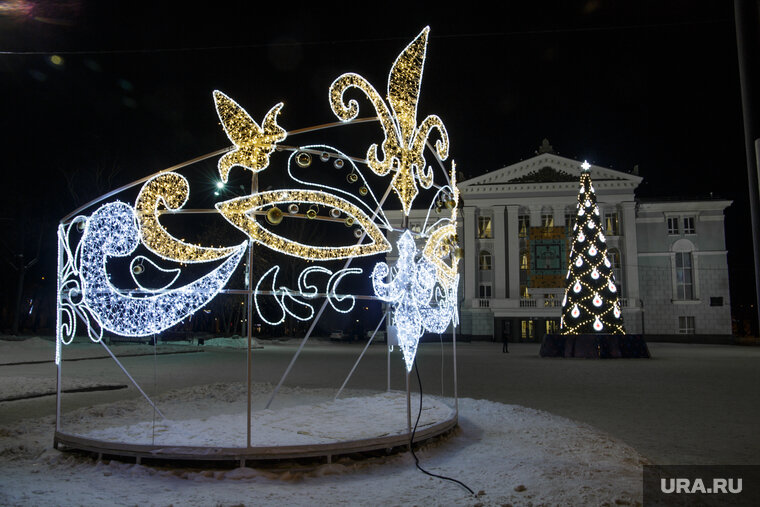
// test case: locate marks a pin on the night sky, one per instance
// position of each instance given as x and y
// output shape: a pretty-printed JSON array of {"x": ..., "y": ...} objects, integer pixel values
[{"x": 98, "y": 94}]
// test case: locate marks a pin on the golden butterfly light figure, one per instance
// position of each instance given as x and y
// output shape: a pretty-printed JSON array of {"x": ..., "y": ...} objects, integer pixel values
[
  {"x": 253, "y": 144},
  {"x": 404, "y": 141}
]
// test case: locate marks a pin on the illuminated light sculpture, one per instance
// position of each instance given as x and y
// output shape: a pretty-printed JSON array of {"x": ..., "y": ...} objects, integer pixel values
[
  {"x": 172, "y": 190},
  {"x": 122, "y": 268},
  {"x": 253, "y": 144},
  {"x": 424, "y": 296},
  {"x": 375, "y": 207},
  {"x": 419, "y": 302},
  {"x": 85, "y": 289},
  {"x": 140, "y": 260},
  {"x": 404, "y": 142},
  {"x": 239, "y": 211},
  {"x": 591, "y": 303},
  {"x": 305, "y": 290}
]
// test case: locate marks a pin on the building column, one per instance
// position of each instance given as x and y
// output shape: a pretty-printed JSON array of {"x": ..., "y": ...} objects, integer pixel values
[
  {"x": 631, "y": 260},
  {"x": 500, "y": 254},
  {"x": 470, "y": 254},
  {"x": 513, "y": 248},
  {"x": 535, "y": 215}
]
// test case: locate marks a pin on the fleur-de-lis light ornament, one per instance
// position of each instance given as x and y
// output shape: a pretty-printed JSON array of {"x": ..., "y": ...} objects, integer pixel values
[{"x": 404, "y": 142}]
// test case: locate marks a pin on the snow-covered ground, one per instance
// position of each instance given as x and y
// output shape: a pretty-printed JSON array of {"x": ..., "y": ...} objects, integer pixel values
[
  {"x": 690, "y": 404},
  {"x": 507, "y": 454}
]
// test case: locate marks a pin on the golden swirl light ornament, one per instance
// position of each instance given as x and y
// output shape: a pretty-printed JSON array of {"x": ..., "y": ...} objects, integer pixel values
[{"x": 172, "y": 190}]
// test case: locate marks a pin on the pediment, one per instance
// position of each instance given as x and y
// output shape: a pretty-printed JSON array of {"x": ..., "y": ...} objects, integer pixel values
[{"x": 545, "y": 168}]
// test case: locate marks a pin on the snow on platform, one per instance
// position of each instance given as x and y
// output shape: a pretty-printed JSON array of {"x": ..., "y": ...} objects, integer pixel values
[{"x": 354, "y": 418}]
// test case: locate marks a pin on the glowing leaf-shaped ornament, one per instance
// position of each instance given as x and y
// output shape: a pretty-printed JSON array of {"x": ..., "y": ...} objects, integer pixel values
[
  {"x": 577, "y": 287},
  {"x": 587, "y": 203},
  {"x": 579, "y": 261},
  {"x": 590, "y": 224},
  {"x": 601, "y": 237},
  {"x": 240, "y": 213},
  {"x": 591, "y": 189},
  {"x": 581, "y": 237},
  {"x": 581, "y": 212},
  {"x": 575, "y": 226},
  {"x": 253, "y": 144},
  {"x": 598, "y": 326},
  {"x": 568, "y": 274},
  {"x": 575, "y": 312},
  {"x": 596, "y": 211},
  {"x": 616, "y": 311},
  {"x": 564, "y": 300},
  {"x": 583, "y": 189},
  {"x": 595, "y": 274},
  {"x": 597, "y": 300},
  {"x": 592, "y": 251},
  {"x": 607, "y": 262},
  {"x": 611, "y": 286}
]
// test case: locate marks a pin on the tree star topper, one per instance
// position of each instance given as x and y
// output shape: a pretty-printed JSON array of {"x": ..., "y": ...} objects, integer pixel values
[
  {"x": 404, "y": 140},
  {"x": 253, "y": 144}
]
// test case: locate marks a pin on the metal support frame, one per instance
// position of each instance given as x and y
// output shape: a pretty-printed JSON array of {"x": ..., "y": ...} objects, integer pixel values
[{"x": 359, "y": 358}]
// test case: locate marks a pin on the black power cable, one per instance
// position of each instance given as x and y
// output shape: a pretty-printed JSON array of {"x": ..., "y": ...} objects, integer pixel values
[{"x": 411, "y": 441}]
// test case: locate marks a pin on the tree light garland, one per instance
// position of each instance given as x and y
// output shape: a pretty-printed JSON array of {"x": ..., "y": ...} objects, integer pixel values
[{"x": 591, "y": 302}]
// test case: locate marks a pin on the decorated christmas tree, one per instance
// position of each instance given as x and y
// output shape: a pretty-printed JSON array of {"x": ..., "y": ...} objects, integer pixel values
[{"x": 591, "y": 304}]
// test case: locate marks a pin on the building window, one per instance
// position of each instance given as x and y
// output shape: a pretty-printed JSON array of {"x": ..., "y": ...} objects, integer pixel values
[
  {"x": 485, "y": 260},
  {"x": 552, "y": 327},
  {"x": 485, "y": 291},
  {"x": 686, "y": 325},
  {"x": 684, "y": 276},
  {"x": 673, "y": 225},
  {"x": 569, "y": 219},
  {"x": 526, "y": 329},
  {"x": 612, "y": 224},
  {"x": 524, "y": 259},
  {"x": 524, "y": 292},
  {"x": 716, "y": 301},
  {"x": 550, "y": 300},
  {"x": 523, "y": 225},
  {"x": 688, "y": 225},
  {"x": 547, "y": 219},
  {"x": 484, "y": 228}
]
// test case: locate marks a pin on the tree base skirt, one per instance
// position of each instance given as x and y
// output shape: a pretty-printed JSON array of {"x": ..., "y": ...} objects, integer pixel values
[{"x": 594, "y": 346}]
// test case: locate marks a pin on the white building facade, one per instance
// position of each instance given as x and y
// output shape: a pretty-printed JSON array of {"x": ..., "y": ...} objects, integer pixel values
[{"x": 669, "y": 258}]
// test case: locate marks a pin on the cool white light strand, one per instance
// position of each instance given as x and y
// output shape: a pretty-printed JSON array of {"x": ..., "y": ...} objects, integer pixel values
[{"x": 112, "y": 232}]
